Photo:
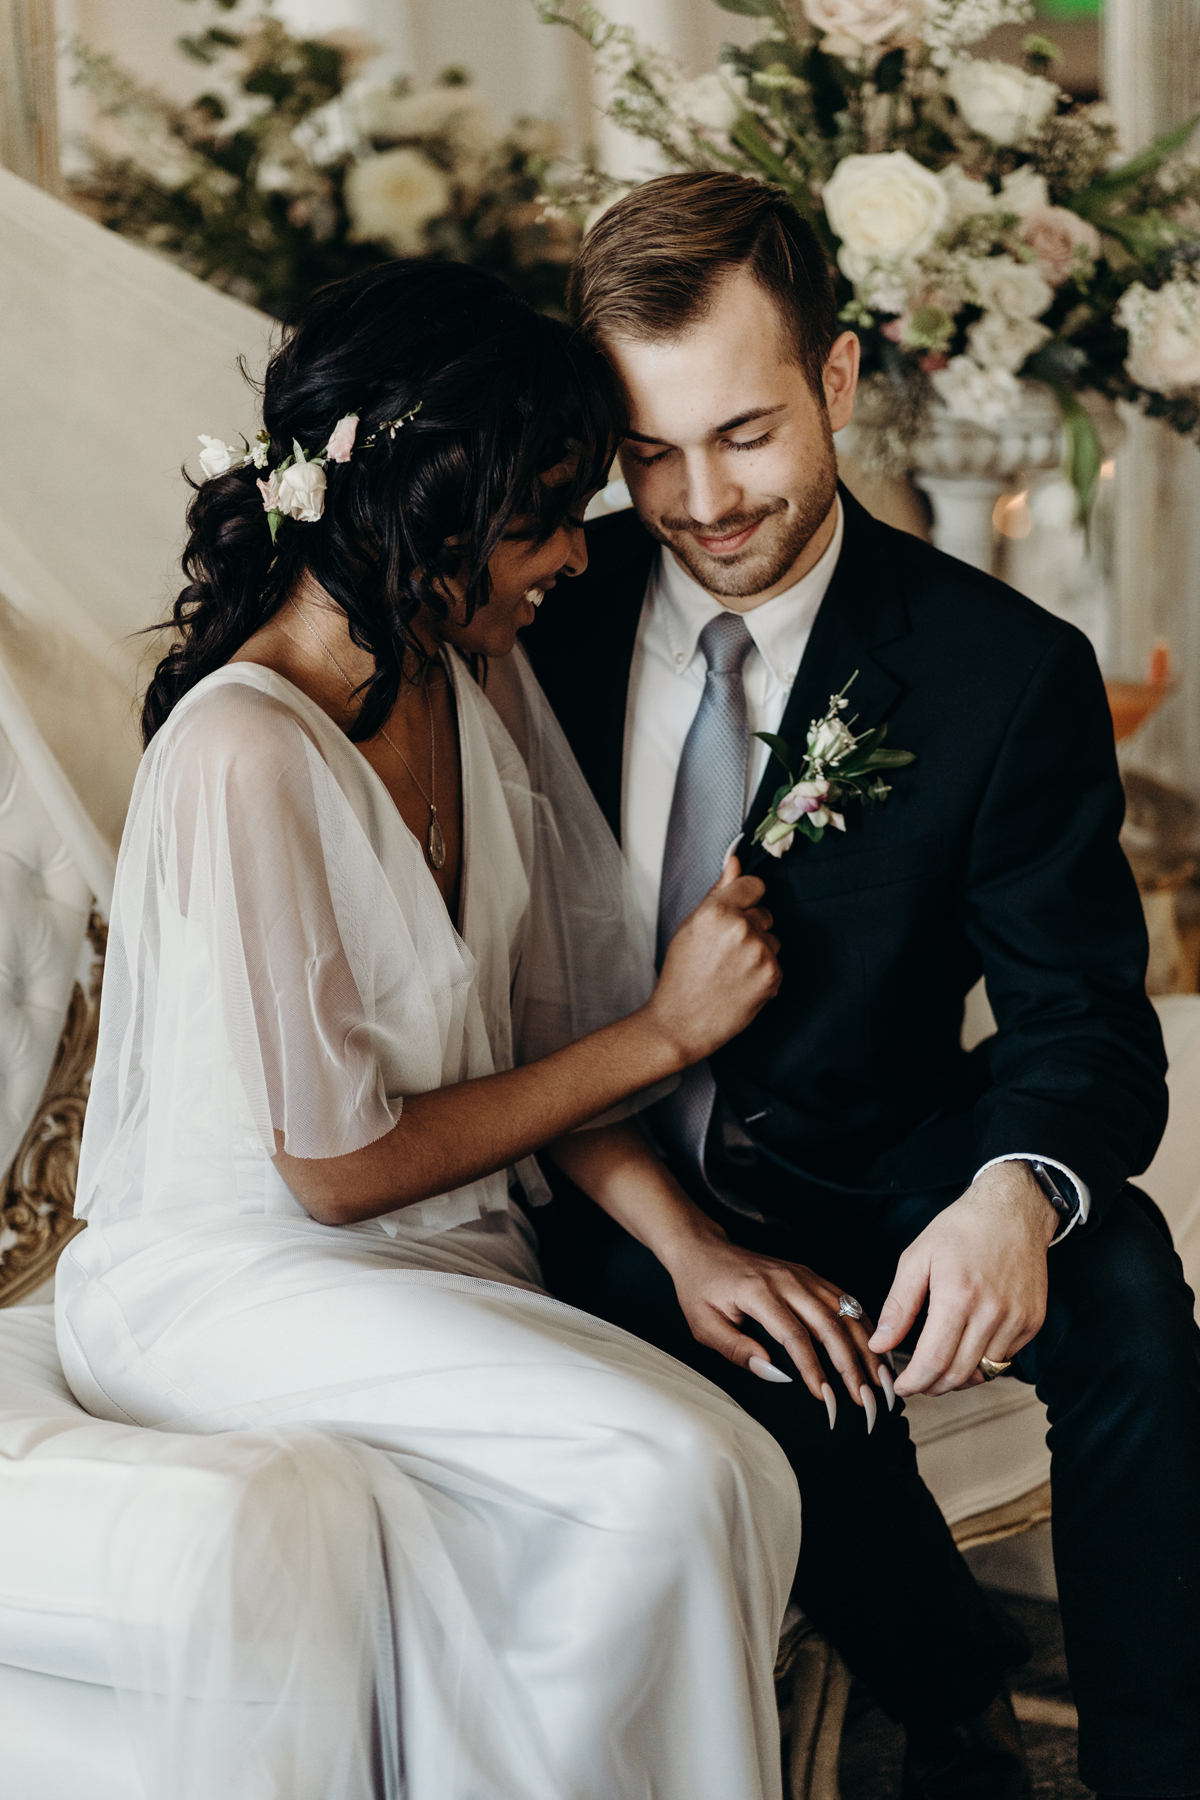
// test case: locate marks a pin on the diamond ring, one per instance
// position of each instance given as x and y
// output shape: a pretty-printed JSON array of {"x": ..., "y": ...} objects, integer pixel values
[
  {"x": 848, "y": 1307},
  {"x": 989, "y": 1369}
]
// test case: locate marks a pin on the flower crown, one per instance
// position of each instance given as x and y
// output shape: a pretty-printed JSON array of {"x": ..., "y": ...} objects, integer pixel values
[{"x": 296, "y": 489}]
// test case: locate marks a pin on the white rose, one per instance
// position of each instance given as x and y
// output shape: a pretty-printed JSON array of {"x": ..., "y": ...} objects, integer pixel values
[
  {"x": 865, "y": 21},
  {"x": 1023, "y": 191},
  {"x": 828, "y": 740},
  {"x": 392, "y": 197},
  {"x": 1000, "y": 101},
  {"x": 217, "y": 458},
  {"x": 1003, "y": 285},
  {"x": 711, "y": 103},
  {"x": 1164, "y": 335},
  {"x": 301, "y": 492},
  {"x": 999, "y": 342},
  {"x": 884, "y": 207},
  {"x": 969, "y": 392},
  {"x": 965, "y": 195}
]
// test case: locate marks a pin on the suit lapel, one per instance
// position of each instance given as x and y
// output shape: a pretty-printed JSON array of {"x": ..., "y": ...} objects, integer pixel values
[{"x": 863, "y": 610}]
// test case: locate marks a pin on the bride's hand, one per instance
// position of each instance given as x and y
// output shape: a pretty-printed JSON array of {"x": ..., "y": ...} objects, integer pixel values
[
  {"x": 719, "y": 1285},
  {"x": 721, "y": 968}
]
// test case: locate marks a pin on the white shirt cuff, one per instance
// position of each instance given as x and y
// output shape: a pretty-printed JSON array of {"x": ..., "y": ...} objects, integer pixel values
[{"x": 1081, "y": 1188}]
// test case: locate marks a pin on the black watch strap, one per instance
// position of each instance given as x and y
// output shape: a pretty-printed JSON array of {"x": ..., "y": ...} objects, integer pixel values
[{"x": 1054, "y": 1185}]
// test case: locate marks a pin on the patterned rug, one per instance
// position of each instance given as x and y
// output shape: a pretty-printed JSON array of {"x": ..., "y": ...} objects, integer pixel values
[{"x": 872, "y": 1746}]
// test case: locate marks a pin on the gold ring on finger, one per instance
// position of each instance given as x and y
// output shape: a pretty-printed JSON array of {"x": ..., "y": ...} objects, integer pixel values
[{"x": 989, "y": 1369}]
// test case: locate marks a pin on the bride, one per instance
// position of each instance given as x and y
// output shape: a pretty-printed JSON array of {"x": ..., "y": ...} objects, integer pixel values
[{"x": 371, "y": 948}]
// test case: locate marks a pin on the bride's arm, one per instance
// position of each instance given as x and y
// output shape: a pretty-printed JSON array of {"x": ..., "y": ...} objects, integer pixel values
[
  {"x": 719, "y": 971},
  {"x": 717, "y": 1283}
]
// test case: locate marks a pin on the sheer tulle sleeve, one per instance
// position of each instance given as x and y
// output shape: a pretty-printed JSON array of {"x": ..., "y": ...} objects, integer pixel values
[{"x": 266, "y": 982}]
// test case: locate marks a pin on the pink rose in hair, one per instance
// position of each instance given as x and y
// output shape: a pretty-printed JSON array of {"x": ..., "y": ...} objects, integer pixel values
[
  {"x": 341, "y": 444},
  {"x": 269, "y": 489}
]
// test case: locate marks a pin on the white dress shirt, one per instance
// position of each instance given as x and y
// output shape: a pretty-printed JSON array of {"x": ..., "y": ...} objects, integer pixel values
[{"x": 666, "y": 681}]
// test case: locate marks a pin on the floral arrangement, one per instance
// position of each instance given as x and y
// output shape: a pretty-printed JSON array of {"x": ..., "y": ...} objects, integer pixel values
[
  {"x": 836, "y": 766},
  {"x": 982, "y": 225},
  {"x": 292, "y": 169}
]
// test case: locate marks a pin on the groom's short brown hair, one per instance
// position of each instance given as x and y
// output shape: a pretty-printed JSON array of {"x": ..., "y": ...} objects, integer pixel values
[{"x": 650, "y": 265}]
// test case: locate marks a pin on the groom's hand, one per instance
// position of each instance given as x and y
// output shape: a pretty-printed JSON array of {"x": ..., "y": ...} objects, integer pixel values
[{"x": 982, "y": 1263}]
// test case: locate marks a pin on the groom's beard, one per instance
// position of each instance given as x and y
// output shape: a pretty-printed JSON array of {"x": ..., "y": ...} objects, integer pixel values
[{"x": 778, "y": 543}]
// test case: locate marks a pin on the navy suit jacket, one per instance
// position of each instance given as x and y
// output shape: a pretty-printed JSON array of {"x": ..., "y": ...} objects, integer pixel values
[{"x": 996, "y": 853}]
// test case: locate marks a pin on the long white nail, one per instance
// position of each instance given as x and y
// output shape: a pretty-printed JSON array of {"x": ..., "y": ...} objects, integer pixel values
[
  {"x": 766, "y": 1371},
  {"x": 867, "y": 1396},
  {"x": 830, "y": 1399},
  {"x": 888, "y": 1385}
]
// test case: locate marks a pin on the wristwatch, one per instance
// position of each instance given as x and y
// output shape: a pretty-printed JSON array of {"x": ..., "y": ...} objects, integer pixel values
[{"x": 1065, "y": 1205}]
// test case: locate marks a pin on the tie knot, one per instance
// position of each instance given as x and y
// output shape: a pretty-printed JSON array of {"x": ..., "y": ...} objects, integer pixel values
[{"x": 726, "y": 644}]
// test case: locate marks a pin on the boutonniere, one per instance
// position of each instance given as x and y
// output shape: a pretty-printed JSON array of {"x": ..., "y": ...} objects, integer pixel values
[{"x": 836, "y": 766}]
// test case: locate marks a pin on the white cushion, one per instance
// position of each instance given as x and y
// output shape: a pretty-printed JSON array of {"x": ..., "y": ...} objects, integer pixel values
[
  {"x": 75, "y": 1490},
  {"x": 63, "y": 1740}
]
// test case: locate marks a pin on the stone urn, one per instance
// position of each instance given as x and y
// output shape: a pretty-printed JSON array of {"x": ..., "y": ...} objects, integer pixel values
[{"x": 965, "y": 467}]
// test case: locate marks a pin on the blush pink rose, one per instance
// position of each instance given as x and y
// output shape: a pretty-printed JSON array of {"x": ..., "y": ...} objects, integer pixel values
[
  {"x": 1061, "y": 241},
  {"x": 341, "y": 444},
  {"x": 269, "y": 489}
]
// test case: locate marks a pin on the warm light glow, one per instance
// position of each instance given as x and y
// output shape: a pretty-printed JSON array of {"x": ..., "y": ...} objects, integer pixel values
[
  {"x": 1011, "y": 515},
  {"x": 1108, "y": 469}
]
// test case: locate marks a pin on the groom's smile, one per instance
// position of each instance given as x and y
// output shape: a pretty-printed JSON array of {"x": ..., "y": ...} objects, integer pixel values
[{"x": 729, "y": 453}]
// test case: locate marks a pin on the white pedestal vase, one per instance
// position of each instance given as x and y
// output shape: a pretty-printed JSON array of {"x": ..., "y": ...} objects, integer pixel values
[{"x": 965, "y": 467}]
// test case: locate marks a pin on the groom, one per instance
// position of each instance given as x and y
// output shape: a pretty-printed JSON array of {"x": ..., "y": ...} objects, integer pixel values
[{"x": 977, "y": 1205}]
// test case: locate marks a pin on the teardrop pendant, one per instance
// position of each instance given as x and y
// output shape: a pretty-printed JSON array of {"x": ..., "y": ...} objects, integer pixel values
[{"x": 435, "y": 843}]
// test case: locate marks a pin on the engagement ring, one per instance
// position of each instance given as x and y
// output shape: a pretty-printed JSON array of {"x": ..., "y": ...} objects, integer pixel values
[{"x": 848, "y": 1307}]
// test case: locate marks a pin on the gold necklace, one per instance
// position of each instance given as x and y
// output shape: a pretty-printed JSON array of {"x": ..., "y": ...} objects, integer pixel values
[{"x": 435, "y": 843}]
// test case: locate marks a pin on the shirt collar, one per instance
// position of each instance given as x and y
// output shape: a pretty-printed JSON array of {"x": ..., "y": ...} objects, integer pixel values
[{"x": 779, "y": 627}]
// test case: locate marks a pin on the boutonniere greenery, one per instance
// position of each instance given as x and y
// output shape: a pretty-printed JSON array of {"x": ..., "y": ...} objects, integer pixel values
[{"x": 836, "y": 766}]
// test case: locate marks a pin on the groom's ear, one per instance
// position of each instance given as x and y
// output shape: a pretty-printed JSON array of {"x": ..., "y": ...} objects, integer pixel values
[{"x": 839, "y": 379}]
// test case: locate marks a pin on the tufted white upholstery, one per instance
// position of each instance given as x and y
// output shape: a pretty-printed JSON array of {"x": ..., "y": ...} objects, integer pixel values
[{"x": 44, "y": 907}]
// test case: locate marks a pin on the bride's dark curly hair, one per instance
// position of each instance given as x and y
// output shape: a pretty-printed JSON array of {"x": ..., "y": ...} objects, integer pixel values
[{"x": 505, "y": 394}]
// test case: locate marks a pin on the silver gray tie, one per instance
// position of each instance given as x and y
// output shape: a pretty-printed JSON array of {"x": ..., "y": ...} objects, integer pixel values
[{"x": 707, "y": 812}]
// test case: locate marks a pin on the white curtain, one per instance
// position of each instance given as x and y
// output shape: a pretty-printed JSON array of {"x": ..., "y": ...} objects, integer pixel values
[{"x": 111, "y": 361}]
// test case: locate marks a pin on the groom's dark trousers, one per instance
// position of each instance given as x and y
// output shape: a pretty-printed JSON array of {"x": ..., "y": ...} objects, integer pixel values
[{"x": 848, "y": 1115}]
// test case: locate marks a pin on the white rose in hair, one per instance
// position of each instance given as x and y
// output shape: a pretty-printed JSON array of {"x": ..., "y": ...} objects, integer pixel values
[
  {"x": 864, "y": 21},
  {"x": 301, "y": 492},
  {"x": 1017, "y": 289},
  {"x": 999, "y": 342},
  {"x": 968, "y": 392},
  {"x": 885, "y": 207},
  {"x": 1164, "y": 335},
  {"x": 217, "y": 457},
  {"x": 711, "y": 102},
  {"x": 1000, "y": 101}
]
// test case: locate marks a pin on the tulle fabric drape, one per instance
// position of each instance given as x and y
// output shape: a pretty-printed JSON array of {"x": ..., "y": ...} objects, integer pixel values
[{"x": 280, "y": 960}]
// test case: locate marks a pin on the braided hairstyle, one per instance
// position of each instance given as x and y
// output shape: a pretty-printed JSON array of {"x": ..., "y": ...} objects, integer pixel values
[{"x": 505, "y": 394}]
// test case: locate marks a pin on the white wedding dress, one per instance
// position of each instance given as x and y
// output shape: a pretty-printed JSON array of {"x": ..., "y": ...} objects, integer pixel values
[{"x": 524, "y": 1556}]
